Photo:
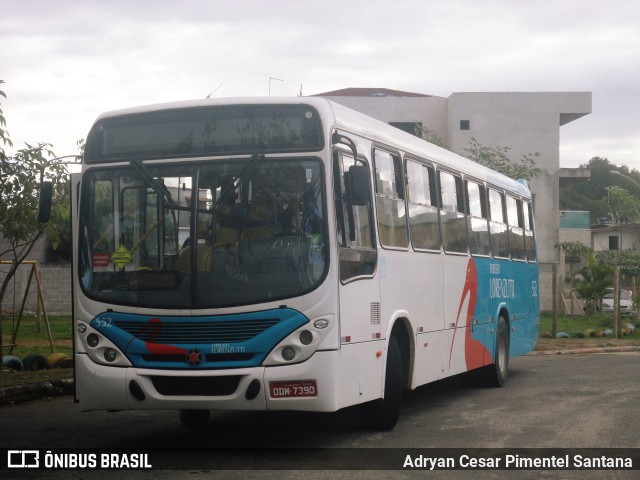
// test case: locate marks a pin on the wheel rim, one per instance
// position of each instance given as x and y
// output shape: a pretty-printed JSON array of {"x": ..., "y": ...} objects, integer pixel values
[{"x": 502, "y": 356}]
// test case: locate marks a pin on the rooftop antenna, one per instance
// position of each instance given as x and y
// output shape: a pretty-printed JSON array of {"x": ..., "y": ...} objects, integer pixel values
[
  {"x": 274, "y": 78},
  {"x": 214, "y": 91}
]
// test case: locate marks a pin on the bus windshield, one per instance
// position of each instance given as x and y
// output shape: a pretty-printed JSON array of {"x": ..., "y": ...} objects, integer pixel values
[{"x": 203, "y": 235}]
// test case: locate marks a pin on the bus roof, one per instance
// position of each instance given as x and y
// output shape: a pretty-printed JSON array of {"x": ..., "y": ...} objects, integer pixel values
[{"x": 350, "y": 120}]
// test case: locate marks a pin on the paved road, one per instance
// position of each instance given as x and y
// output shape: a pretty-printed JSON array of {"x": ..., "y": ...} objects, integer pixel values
[{"x": 561, "y": 401}]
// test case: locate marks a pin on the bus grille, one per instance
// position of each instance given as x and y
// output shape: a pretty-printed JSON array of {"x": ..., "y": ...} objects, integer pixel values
[
  {"x": 196, "y": 386},
  {"x": 178, "y": 332}
]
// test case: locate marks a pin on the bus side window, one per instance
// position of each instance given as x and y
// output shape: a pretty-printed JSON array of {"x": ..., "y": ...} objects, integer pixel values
[
  {"x": 530, "y": 245},
  {"x": 478, "y": 223},
  {"x": 516, "y": 232},
  {"x": 497, "y": 225},
  {"x": 392, "y": 220},
  {"x": 357, "y": 251},
  {"x": 422, "y": 204},
  {"x": 454, "y": 235}
]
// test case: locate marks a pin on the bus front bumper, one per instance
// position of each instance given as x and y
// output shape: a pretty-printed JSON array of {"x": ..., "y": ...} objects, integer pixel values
[{"x": 307, "y": 386}]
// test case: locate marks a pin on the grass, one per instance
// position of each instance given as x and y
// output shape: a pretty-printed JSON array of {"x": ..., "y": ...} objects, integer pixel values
[
  {"x": 33, "y": 340},
  {"x": 572, "y": 325}
]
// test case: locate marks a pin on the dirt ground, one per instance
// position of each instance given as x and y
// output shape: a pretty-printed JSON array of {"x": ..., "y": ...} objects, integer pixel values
[{"x": 12, "y": 378}]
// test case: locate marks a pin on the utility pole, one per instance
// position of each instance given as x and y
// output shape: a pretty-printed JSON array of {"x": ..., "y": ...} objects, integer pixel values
[{"x": 274, "y": 78}]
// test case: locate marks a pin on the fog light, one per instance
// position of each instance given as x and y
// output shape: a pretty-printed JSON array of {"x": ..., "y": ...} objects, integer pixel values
[
  {"x": 82, "y": 328},
  {"x": 93, "y": 340},
  {"x": 306, "y": 337},
  {"x": 288, "y": 353},
  {"x": 110, "y": 354}
]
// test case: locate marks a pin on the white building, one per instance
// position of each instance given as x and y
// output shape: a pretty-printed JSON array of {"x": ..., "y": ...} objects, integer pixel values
[{"x": 523, "y": 122}]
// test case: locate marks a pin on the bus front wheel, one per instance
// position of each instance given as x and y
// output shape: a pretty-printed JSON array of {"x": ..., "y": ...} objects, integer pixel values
[
  {"x": 383, "y": 414},
  {"x": 194, "y": 419}
]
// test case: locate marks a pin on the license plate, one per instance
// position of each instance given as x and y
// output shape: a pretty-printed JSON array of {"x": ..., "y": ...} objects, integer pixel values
[{"x": 301, "y": 388}]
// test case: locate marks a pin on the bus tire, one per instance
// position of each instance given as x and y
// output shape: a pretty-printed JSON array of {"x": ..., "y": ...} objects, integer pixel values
[
  {"x": 35, "y": 362},
  {"x": 14, "y": 363},
  {"x": 497, "y": 373},
  {"x": 382, "y": 414},
  {"x": 58, "y": 360},
  {"x": 195, "y": 419}
]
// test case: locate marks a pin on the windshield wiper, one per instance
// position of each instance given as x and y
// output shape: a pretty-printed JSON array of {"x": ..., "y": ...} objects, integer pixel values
[
  {"x": 159, "y": 188},
  {"x": 248, "y": 168}
]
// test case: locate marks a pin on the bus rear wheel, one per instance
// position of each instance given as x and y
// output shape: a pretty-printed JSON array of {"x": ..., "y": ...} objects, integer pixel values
[
  {"x": 383, "y": 414},
  {"x": 495, "y": 375},
  {"x": 194, "y": 419}
]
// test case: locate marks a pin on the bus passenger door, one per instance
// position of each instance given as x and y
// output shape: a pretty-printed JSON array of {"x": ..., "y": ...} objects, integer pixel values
[{"x": 359, "y": 290}]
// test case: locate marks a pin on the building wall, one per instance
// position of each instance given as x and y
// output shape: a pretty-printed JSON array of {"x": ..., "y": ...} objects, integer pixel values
[
  {"x": 431, "y": 112},
  {"x": 55, "y": 282}
]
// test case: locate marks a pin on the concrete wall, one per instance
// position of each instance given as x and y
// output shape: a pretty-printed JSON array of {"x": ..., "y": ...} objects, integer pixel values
[
  {"x": 431, "y": 112},
  {"x": 55, "y": 281}
]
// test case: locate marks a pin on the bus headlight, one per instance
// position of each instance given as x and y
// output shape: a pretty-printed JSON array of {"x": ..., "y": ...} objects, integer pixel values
[
  {"x": 302, "y": 343},
  {"x": 288, "y": 353},
  {"x": 110, "y": 355},
  {"x": 93, "y": 340},
  {"x": 99, "y": 348},
  {"x": 306, "y": 337}
]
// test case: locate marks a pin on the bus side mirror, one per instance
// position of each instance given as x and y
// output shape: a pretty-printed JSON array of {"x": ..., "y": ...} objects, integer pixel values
[
  {"x": 359, "y": 183},
  {"x": 44, "y": 202}
]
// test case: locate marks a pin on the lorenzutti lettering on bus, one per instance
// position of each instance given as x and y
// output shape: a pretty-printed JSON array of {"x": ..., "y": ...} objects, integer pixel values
[
  {"x": 500, "y": 287},
  {"x": 226, "y": 348}
]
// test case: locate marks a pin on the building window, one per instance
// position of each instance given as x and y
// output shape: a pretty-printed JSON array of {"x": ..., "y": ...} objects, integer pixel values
[
  {"x": 614, "y": 242},
  {"x": 465, "y": 125},
  {"x": 414, "y": 128}
]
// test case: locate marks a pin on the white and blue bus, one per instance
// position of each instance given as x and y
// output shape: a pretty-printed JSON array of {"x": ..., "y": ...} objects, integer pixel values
[{"x": 289, "y": 254}]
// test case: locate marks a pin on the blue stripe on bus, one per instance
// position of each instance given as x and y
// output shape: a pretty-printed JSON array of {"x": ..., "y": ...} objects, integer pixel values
[{"x": 198, "y": 342}]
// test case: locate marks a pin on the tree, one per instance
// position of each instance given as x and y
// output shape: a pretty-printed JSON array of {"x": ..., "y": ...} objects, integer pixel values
[
  {"x": 497, "y": 158},
  {"x": 592, "y": 283},
  {"x": 624, "y": 207},
  {"x": 20, "y": 178},
  {"x": 592, "y": 195},
  {"x": 431, "y": 136}
]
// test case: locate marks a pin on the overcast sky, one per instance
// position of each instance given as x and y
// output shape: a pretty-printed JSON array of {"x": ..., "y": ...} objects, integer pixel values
[{"x": 66, "y": 61}]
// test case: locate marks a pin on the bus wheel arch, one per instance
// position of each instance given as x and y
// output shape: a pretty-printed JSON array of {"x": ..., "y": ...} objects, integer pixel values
[{"x": 382, "y": 414}]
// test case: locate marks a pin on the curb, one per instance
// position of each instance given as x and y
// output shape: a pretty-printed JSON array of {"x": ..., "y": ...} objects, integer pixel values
[
  {"x": 34, "y": 391},
  {"x": 631, "y": 348}
]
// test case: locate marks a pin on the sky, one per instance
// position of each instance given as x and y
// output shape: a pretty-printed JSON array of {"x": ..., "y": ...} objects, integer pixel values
[{"x": 66, "y": 61}]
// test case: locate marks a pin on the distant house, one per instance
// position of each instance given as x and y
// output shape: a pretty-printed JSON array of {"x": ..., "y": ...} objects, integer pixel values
[{"x": 616, "y": 237}]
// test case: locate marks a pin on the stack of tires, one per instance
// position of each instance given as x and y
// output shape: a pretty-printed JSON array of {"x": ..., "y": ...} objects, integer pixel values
[{"x": 37, "y": 362}]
